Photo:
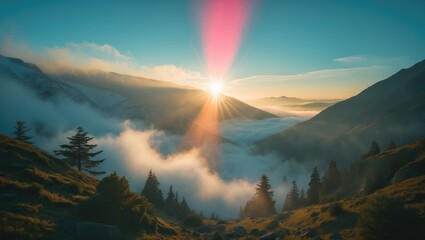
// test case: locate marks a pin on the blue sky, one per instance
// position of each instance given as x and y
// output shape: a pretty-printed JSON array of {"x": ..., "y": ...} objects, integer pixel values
[{"x": 282, "y": 38}]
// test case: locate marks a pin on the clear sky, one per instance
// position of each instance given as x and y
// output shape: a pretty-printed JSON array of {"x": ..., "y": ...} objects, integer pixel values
[{"x": 311, "y": 49}]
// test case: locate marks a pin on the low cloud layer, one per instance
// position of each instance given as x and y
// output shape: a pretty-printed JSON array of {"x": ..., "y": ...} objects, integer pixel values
[
  {"x": 131, "y": 149},
  {"x": 90, "y": 56}
]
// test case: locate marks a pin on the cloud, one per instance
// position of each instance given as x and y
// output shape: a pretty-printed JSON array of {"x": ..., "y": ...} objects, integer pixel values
[
  {"x": 350, "y": 59},
  {"x": 338, "y": 83},
  {"x": 132, "y": 149},
  {"x": 317, "y": 75},
  {"x": 90, "y": 56}
]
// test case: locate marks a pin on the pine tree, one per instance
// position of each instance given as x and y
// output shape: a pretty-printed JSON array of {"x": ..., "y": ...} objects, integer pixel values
[
  {"x": 20, "y": 132},
  {"x": 170, "y": 201},
  {"x": 152, "y": 192},
  {"x": 314, "y": 187},
  {"x": 77, "y": 152},
  {"x": 373, "y": 150},
  {"x": 331, "y": 179},
  {"x": 302, "y": 199},
  {"x": 213, "y": 216},
  {"x": 184, "y": 208},
  {"x": 292, "y": 198},
  {"x": 392, "y": 146},
  {"x": 262, "y": 204}
]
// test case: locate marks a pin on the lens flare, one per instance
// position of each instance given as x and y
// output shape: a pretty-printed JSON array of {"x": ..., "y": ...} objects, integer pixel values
[
  {"x": 222, "y": 25},
  {"x": 223, "y": 22}
]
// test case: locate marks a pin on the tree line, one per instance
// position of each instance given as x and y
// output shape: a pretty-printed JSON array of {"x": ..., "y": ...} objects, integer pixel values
[
  {"x": 79, "y": 153},
  {"x": 319, "y": 189}
]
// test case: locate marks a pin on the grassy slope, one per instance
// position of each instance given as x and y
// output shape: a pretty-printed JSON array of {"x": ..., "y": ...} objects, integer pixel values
[
  {"x": 294, "y": 223},
  {"x": 37, "y": 191}
]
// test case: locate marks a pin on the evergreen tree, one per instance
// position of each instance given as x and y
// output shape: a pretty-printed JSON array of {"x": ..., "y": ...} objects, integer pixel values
[
  {"x": 392, "y": 146},
  {"x": 373, "y": 150},
  {"x": 262, "y": 204},
  {"x": 331, "y": 179},
  {"x": 213, "y": 216},
  {"x": 170, "y": 202},
  {"x": 314, "y": 187},
  {"x": 292, "y": 198},
  {"x": 78, "y": 152},
  {"x": 152, "y": 192},
  {"x": 184, "y": 208},
  {"x": 302, "y": 200},
  {"x": 20, "y": 132},
  {"x": 114, "y": 204}
]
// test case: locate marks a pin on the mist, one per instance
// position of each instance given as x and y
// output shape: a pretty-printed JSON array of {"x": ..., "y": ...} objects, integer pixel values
[{"x": 132, "y": 149}]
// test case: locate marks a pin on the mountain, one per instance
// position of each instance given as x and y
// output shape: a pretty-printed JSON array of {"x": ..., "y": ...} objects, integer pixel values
[
  {"x": 164, "y": 105},
  {"x": 390, "y": 110},
  {"x": 290, "y": 106}
]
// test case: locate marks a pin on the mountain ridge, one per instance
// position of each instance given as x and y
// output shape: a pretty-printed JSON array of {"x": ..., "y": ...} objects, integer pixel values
[
  {"x": 166, "y": 105},
  {"x": 390, "y": 110}
]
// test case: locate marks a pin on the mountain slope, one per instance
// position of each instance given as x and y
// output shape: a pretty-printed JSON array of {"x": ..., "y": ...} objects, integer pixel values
[
  {"x": 165, "y": 105},
  {"x": 390, "y": 110},
  {"x": 37, "y": 191},
  {"x": 289, "y": 107}
]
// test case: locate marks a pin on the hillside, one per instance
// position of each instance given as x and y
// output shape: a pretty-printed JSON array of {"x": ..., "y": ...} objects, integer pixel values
[
  {"x": 338, "y": 216},
  {"x": 40, "y": 197},
  {"x": 38, "y": 192},
  {"x": 165, "y": 105},
  {"x": 390, "y": 110}
]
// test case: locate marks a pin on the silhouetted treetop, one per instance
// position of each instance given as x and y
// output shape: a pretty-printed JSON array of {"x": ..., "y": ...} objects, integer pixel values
[
  {"x": 78, "y": 152},
  {"x": 314, "y": 187},
  {"x": 151, "y": 190},
  {"x": 20, "y": 132}
]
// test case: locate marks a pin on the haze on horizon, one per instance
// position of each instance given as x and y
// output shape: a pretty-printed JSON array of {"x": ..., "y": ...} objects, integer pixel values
[{"x": 312, "y": 50}]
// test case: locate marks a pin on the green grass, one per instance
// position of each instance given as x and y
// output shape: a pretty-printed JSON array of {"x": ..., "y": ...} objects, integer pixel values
[{"x": 36, "y": 191}]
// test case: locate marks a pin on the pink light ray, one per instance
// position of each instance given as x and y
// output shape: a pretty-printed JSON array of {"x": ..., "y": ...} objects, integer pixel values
[{"x": 222, "y": 28}]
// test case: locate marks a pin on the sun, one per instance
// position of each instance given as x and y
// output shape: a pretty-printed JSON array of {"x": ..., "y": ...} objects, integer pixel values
[{"x": 216, "y": 87}]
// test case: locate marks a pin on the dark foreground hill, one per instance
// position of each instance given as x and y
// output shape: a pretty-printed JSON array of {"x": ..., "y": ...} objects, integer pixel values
[
  {"x": 40, "y": 196},
  {"x": 390, "y": 110},
  {"x": 38, "y": 192}
]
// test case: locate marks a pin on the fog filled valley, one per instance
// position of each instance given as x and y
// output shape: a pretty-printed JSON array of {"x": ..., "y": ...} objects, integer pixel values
[
  {"x": 214, "y": 172},
  {"x": 134, "y": 146},
  {"x": 212, "y": 120}
]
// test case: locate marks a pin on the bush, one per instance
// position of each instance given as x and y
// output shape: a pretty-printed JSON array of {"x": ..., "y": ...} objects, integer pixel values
[
  {"x": 114, "y": 204},
  {"x": 335, "y": 209},
  {"x": 386, "y": 218},
  {"x": 192, "y": 220}
]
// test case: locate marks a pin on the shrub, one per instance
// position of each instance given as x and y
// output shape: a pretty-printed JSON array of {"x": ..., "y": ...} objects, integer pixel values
[
  {"x": 335, "y": 209},
  {"x": 192, "y": 220},
  {"x": 386, "y": 218}
]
